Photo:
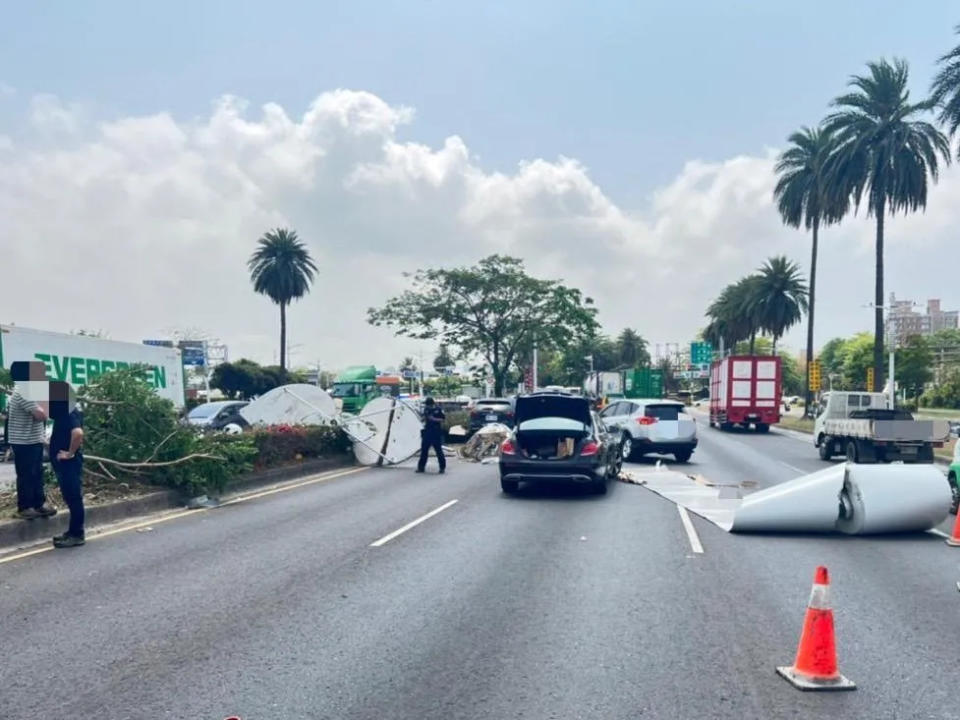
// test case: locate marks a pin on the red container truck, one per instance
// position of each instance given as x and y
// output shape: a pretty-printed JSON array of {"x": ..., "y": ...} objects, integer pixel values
[{"x": 745, "y": 390}]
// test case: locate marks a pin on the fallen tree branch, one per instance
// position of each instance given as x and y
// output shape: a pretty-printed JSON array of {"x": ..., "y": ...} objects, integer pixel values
[
  {"x": 194, "y": 456},
  {"x": 157, "y": 448},
  {"x": 103, "y": 467}
]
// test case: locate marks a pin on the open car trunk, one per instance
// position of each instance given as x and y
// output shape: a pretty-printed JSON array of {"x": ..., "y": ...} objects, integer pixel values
[{"x": 550, "y": 438}]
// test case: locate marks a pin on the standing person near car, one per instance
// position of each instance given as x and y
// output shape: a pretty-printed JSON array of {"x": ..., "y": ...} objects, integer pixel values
[
  {"x": 26, "y": 427},
  {"x": 432, "y": 435},
  {"x": 66, "y": 459}
]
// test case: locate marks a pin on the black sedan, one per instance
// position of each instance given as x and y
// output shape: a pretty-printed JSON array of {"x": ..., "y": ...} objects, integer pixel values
[{"x": 558, "y": 439}]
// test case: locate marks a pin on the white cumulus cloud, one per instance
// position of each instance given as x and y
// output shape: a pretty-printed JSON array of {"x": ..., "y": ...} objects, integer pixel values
[{"x": 137, "y": 224}]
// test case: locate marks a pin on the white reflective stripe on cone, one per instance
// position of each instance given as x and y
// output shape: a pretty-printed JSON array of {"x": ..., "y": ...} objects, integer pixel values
[{"x": 819, "y": 597}]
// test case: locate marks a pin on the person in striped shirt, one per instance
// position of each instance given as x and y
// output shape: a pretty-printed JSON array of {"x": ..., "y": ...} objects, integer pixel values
[{"x": 26, "y": 428}]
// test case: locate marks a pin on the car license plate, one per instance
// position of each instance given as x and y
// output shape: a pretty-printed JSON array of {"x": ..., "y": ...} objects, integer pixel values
[
  {"x": 491, "y": 418},
  {"x": 909, "y": 450}
]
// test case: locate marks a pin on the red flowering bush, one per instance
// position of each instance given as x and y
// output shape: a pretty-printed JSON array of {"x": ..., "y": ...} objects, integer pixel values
[{"x": 282, "y": 444}]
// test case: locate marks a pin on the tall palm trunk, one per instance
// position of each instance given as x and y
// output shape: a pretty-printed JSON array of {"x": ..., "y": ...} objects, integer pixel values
[
  {"x": 753, "y": 340},
  {"x": 878, "y": 303},
  {"x": 812, "y": 298},
  {"x": 283, "y": 336}
]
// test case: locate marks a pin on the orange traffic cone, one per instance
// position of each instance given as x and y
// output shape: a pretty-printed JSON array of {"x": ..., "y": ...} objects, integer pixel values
[
  {"x": 954, "y": 538},
  {"x": 816, "y": 665}
]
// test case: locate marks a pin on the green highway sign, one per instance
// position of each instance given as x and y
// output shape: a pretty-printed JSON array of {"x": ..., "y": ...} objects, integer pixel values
[{"x": 701, "y": 353}]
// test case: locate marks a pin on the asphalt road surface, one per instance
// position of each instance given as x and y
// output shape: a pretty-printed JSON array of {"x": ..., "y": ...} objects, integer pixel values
[{"x": 307, "y": 603}]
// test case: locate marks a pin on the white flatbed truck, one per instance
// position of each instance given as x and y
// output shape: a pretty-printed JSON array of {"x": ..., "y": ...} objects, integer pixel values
[{"x": 863, "y": 427}]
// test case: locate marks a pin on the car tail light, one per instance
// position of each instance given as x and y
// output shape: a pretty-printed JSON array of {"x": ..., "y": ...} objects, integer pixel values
[
  {"x": 938, "y": 444},
  {"x": 591, "y": 448},
  {"x": 646, "y": 420},
  {"x": 508, "y": 448}
]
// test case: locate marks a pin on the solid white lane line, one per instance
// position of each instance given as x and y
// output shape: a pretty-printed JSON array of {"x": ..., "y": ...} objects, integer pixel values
[
  {"x": 691, "y": 530},
  {"x": 791, "y": 467},
  {"x": 387, "y": 538}
]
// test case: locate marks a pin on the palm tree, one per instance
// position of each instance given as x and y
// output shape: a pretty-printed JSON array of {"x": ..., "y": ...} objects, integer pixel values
[
  {"x": 778, "y": 297},
  {"x": 281, "y": 268},
  {"x": 802, "y": 199},
  {"x": 945, "y": 92},
  {"x": 732, "y": 318},
  {"x": 883, "y": 153}
]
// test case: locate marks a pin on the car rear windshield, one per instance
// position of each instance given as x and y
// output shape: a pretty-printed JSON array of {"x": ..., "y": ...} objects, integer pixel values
[
  {"x": 663, "y": 412},
  {"x": 493, "y": 404},
  {"x": 552, "y": 424}
]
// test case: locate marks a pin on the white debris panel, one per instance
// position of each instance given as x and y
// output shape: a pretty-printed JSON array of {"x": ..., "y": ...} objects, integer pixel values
[{"x": 848, "y": 498}]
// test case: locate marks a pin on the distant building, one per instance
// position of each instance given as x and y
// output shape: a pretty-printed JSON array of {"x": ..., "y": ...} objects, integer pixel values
[{"x": 903, "y": 320}]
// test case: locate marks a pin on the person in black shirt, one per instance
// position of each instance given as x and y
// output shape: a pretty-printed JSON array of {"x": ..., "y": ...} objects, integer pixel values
[
  {"x": 66, "y": 459},
  {"x": 432, "y": 435}
]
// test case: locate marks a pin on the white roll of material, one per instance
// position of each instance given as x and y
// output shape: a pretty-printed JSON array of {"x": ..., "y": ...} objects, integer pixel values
[{"x": 893, "y": 498}]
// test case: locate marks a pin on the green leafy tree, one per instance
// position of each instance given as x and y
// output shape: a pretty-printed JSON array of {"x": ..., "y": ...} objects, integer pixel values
[
  {"x": 831, "y": 359},
  {"x": 445, "y": 387},
  {"x": 777, "y": 297},
  {"x": 491, "y": 309},
  {"x": 947, "y": 393},
  {"x": 281, "y": 268},
  {"x": 247, "y": 379},
  {"x": 632, "y": 349},
  {"x": 443, "y": 358},
  {"x": 945, "y": 93},
  {"x": 885, "y": 154},
  {"x": 857, "y": 357},
  {"x": 803, "y": 200},
  {"x": 793, "y": 381},
  {"x": 133, "y": 433},
  {"x": 914, "y": 365}
]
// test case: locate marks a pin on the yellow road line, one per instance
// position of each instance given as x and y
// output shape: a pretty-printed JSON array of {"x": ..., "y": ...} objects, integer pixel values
[{"x": 183, "y": 513}]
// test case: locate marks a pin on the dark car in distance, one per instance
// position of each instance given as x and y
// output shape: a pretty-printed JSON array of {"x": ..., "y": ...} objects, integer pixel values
[
  {"x": 558, "y": 439},
  {"x": 491, "y": 410}
]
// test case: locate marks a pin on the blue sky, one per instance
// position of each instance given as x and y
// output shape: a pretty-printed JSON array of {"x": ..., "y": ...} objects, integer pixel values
[
  {"x": 631, "y": 89},
  {"x": 627, "y": 148}
]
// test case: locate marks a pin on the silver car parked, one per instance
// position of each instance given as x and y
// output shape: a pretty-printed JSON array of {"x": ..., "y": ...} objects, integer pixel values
[{"x": 652, "y": 426}]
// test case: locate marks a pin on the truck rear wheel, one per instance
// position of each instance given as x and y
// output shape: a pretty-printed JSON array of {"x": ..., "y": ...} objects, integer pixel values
[
  {"x": 763, "y": 427},
  {"x": 852, "y": 455}
]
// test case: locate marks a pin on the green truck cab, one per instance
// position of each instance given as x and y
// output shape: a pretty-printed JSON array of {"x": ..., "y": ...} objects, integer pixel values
[{"x": 359, "y": 384}]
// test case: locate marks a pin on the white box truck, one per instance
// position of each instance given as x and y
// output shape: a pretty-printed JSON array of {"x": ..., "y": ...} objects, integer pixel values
[
  {"x": 78, "y": 359},
  {"x": 863, "y": 427}
]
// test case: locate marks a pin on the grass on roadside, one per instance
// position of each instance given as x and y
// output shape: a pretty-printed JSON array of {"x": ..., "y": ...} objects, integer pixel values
[{"x": 796, "y": 423}]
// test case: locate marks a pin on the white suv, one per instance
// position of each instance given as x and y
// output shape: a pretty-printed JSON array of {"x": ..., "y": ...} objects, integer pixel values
[{"x": 652, "y": 426}]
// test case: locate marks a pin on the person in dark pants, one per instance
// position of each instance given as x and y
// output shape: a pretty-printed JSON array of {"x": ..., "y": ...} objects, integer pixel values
[
  {"x": 26, "y": 428},
  {"x": 66, "y": 459},
  {"x": 432, "y": 436}
]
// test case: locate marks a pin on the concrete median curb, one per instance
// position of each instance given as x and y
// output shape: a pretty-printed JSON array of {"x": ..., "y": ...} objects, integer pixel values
[{"x": 15, "y": 532}]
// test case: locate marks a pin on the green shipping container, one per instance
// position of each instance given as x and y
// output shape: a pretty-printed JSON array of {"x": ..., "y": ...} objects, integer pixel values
[{"x": 643, "y": 383}]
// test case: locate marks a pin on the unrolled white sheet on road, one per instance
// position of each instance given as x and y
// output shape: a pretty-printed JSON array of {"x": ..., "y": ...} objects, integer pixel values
[{"x": 850, "y": 498}]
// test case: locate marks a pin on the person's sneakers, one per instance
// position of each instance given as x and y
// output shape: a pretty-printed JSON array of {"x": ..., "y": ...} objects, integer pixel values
[
  {"x": 47, "y": 510},
  {"x": 28, "y": 514},
  {"x": 67, "y": 540},
  {"x": 443, "y": 471},
  {"x": 418, "y": 470}
]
